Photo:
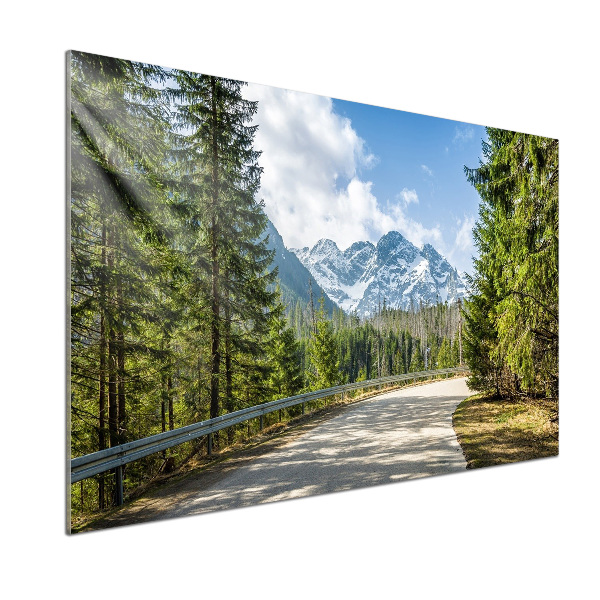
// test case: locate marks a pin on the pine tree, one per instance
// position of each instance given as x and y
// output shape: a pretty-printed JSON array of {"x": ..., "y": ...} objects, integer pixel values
[
  {"x": 322, "y": 352},
  {"x": 517, "y": 271},
  {"x": 444, "y": 357},
  {"x": 480, "y": 343},
  {"x": 223, "y": 177},
  {"x": 417, "y": 362},
  {"x": 286, "y": 376}
]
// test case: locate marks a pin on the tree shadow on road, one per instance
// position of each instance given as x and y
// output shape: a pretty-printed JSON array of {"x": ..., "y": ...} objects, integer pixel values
[{"x": 385, "y": 440}]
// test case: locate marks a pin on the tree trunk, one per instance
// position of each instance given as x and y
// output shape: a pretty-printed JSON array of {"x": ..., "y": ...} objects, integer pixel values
[
  {"x": 120, "y": 348},
  {"x": 228, "y": 371},
  {"x": 102, "y": 374},
  {"x": 163, "y": 409},
  {"x": 112, "y": 366},
  {"x": 170, "y": 402},
  {"x": 163, "y": 405},
  {"x": 113, "y": 423},
  {"x": 214, "y": 257},
  {"x": 121, "y": 411}
]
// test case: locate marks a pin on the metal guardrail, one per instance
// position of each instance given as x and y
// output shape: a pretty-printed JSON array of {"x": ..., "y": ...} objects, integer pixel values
[{"x": 116, "y": 457}]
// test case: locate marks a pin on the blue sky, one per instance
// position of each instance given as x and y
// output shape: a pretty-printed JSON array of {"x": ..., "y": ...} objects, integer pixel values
[
  {"x": 419, "y": 153},
  {"x": 350, "y": 172}
]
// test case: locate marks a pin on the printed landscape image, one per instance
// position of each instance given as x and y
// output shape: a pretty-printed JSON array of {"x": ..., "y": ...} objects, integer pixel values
[{"x": 276, "y": 294}]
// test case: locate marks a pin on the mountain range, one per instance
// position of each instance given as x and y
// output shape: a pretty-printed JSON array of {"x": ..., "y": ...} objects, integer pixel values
[
  {"x": 293, "y": 276},
  {"x": 394, "y": 270}
]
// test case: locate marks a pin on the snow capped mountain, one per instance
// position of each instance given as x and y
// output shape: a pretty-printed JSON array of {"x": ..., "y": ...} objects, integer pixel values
[
  {"x": 363, "y": 275},
  {"x": 292, "y": 274}
]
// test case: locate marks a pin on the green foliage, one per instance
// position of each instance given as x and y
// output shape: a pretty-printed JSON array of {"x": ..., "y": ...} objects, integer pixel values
[
  {"x": 322, "y": 352},
  {"x": 512, "y": 321},
  {"x": 286, "y": 378},
  {"x": 444, "y": 357},
  {"x": 219, "y": 178},
  {"x": 171, "y": 291},
  {"x": 417, "y": 362}
]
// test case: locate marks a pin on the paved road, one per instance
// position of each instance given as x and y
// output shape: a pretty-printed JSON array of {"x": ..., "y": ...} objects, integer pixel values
[{"x": 398, "y": 435}]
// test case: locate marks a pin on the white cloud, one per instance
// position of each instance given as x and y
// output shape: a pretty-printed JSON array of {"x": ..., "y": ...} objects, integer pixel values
[
  {"x": 463, "y": 134},
  {"x": 414, "y": 231},
  {"x": 464, "y": 236},
  {"x": 427, "y": 170},
  {"x": 463, "y": 248},
  {"x": 311, "y": 184},
  {"x": 407, "y": 196}
]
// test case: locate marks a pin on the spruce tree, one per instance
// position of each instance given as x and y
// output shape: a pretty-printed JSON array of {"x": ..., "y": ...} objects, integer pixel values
[
  {"x": 286, "y": 376},
  {"x": 223, "y": 176},
  {"x": 516, "y": 273},
  {"x": 322, "y": 352},
  {"x": 444, "y": 357},
  {"x": 417, "y": 363}
]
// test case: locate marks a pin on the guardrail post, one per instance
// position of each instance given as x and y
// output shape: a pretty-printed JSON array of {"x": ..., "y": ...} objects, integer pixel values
[
  {"x": 119, "y": 485},
  {"x": 303, "y": 405},
  {"x": 209, "y": 443},
  {"x": 261, "y": 422}
]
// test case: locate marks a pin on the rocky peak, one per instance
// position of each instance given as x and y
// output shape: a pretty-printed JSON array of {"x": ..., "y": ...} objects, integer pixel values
[{"x": 394, "y": 269}]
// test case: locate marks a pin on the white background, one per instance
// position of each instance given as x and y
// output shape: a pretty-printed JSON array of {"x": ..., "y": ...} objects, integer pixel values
[{"x": 522, "y": 531}]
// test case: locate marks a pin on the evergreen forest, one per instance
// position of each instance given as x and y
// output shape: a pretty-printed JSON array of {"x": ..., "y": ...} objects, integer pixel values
[
  {"x": 178, "y": 314},
  {"x": 176, "y": 311}
]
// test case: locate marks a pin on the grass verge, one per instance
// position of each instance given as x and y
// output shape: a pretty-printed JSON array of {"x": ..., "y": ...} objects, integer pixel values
[{"x": 496, "y": 431}]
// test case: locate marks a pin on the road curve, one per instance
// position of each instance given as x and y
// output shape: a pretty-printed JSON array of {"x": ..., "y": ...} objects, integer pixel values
[{"x": 398, "y": 435}]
